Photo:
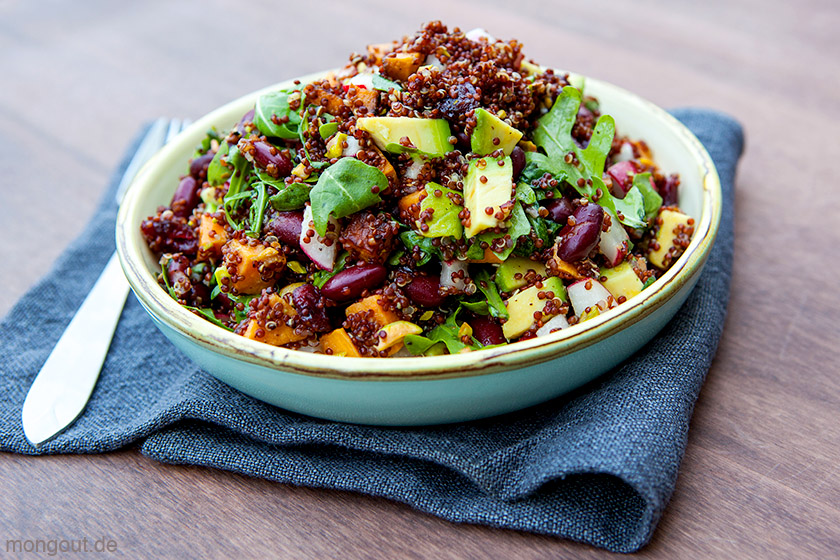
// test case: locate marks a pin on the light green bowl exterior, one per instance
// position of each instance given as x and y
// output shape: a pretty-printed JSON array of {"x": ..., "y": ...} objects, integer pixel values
[{"x": 439, "y": 389}]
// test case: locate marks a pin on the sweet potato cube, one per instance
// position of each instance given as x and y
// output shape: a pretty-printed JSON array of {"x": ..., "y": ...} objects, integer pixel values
[
  {"x": 339, "y": 343},
  {"x": 363, "y": 97},
  {"x": 401, "y": 65},
  {"x": 281, "y": 333},
  {"x": 488, "y": 257},
  {"x": 386, "y": 168},
  {"x": 380, "y": 315},
  {"x": 333, "y": 103},
  {"x": 252, "y": 266},
  {"x": 211, "y": 237},
  {"x": 410, "y": 205}
]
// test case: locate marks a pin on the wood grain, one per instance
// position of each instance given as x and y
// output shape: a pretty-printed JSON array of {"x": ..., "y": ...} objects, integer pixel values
[{"x": 760, "y": 477}]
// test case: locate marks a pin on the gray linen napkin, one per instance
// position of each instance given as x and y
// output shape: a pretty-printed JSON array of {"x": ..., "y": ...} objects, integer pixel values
[{"x": 597, "y": 466}]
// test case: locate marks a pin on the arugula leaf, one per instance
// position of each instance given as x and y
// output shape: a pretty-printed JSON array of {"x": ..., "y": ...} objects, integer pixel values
[
  {"x": 257, "y": 209},
  {"x": 208, "y": 314},
  {"x": 276, "y": 104},
  {"x": 652, "y": 199},
  {"x": 494, "y": 301},
  {"x": 594, "y": 156},
  {"x": 447, "y": 333},
  {"x": 518, "y": 225},
  {"x": 554, "y": 135},
  {"x": 384, "y": 84},
  {"x": 477, "y": 307},
  {"x": 327, "y": 129},
  {"x": 630, "y": 209},
  {"x": 343, "y": 189},
  {"x": 554, "y": 129}
]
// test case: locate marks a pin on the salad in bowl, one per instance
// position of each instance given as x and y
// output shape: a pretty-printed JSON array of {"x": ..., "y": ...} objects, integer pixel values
[{"x": 440, "y": 194}]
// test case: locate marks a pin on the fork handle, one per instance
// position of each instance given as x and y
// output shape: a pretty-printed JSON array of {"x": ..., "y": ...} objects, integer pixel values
[{"x": 74, "y": 364}]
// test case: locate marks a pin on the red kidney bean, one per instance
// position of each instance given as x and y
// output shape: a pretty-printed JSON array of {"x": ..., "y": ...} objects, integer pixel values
[
  {"x": 198, "y": 166},
  {"x": 559, "y": 209},
  {"x": 246, "y": 118},
  {"x": 310, "y": 307},
  {"x": 576, "y": 241},
  {"x": 669, "y": 190},
  {"x": 487, "y": 330},
  {"x": 286, "y": 226},
  {"x": 351, "y": 282},
  {"x": 424, "y": 290},
  {"x": 461, "y": 99},
  {"x": 517, "y": 158},
  {"x": 621, "y": 174},
  {"x": 271, "y": 159},
  {"x": 185, "y": 198},
  {"x": 171, "y": 235}
]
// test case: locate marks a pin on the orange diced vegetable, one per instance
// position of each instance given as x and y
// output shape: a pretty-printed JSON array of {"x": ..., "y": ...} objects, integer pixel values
[
  {"x": 211, "y": 237},
  {"x": 252, "y": 266},
  {"x": 410, "y": 205},
  {"x": 489, "y": 257},
  {"x": 279, "y": 335},
  {"x": 340, "y": 344},
  {"x": 401, "y": 65},
  {"x": 380, "y": 315}
]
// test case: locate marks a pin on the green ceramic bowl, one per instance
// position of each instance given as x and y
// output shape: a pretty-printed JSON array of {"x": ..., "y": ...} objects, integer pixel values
[{"x": 440, "y": 389}]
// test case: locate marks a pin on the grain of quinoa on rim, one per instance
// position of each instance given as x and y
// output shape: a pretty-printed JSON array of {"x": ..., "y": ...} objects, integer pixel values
[{"x": 439, "y": 194}]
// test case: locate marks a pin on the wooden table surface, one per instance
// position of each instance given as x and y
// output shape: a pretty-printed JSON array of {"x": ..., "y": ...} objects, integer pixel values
[{"x": 760, "y": 476}]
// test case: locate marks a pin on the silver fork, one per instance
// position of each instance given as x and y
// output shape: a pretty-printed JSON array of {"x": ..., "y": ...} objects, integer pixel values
[{"x": 63, "y": 386}]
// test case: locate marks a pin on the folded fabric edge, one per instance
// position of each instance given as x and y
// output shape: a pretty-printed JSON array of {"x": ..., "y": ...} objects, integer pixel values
[{"x": 587, "y": 506}]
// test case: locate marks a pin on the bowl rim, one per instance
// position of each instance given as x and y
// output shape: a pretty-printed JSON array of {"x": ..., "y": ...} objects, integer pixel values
[{"x": 480, "y": 362}]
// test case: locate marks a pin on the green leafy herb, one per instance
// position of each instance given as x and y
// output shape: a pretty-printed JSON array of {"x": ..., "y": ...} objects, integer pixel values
[
  {"x": 208, "y": 314},
  {"x": 447, "y": 333},
  {"x": 412, "y": 239},
  {"x": 218, "y": 173},
  {"x": 518, "y": 225},
  {"x": 343, "y": 189},
  {"x": 320, "y": 277},
  {"x": 653, "y": 202},
  {"x": 594, "y": 156},
  {"x": 494, "y": 301},
  {"x": 525, "y": 194},
  {"x": 291, "y": 197},
  {"x": 273, "y": 116},
  {"x": 554, "y": 129},
  {"x": 257, "y": 210},
  {"x": 384, "y": 84}
]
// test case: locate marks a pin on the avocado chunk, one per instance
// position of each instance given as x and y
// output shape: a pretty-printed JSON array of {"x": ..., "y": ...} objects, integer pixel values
[
  {"x": 487, "y": 193},
  {"x": 429, "y": 136},
  {"x": 513, "y": 273},
  {"x": 522, "y": 306},
  {"x": 491, "y": 133},
  {"x": 621, "y": 280},
  {"x": 444, "y": 210},
  {"x": 673, "y": 236}
]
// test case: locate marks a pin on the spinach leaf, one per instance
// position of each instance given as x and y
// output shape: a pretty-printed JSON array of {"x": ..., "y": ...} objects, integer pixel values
[
  {"x": 477, "y": 307},
  {"x": 384, "y": 84},
  {"x": 275, "y": 105},
  {"x": 343, "y": 189},
  {"x": 289, "y": 197}
]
